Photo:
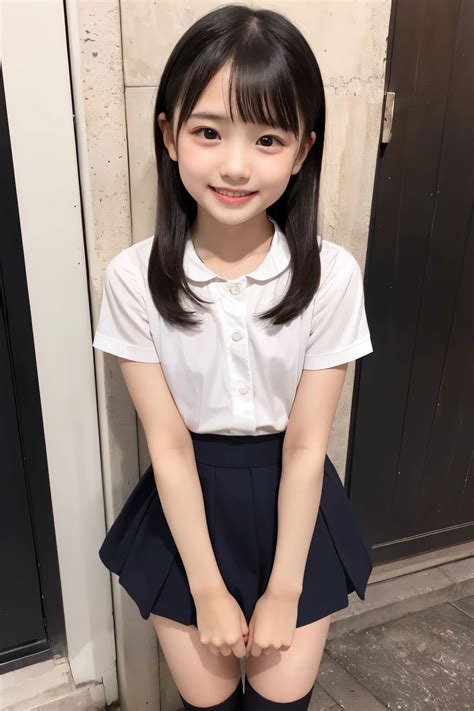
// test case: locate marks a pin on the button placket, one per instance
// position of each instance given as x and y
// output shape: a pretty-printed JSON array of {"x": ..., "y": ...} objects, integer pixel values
[{"x": 240, "y": 374}]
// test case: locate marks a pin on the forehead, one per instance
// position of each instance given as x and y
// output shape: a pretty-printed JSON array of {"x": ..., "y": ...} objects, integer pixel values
[{"x": 215, "y": 97}]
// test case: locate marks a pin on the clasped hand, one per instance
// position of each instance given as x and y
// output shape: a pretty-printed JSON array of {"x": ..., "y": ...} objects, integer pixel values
[
  {"x": 273, "y": 623},
  {"x": 224, "y": 630}
]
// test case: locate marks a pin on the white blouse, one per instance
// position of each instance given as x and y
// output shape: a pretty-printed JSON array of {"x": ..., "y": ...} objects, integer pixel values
[{"x": 235, "y": 375}]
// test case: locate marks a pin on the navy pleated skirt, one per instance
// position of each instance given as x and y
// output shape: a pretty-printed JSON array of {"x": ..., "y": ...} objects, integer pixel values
[{"x": 239, "y": 477}]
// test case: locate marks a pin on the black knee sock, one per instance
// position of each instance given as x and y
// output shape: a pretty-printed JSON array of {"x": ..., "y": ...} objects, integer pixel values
[
  {"x": 232, "y": 703},
  {"x": 253, "y": 701}
]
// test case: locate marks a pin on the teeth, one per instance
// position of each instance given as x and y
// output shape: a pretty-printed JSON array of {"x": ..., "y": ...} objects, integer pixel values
[{"x": 227, "y": 192}]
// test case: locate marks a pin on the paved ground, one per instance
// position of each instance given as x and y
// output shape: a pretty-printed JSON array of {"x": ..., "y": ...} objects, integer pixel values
[{"x": 423, "y": 661}]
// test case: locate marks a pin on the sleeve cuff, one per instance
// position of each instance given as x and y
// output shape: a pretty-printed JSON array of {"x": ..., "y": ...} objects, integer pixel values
[
  {"x": 124, "y": 350},
  {"x": 347, "y": 355}
]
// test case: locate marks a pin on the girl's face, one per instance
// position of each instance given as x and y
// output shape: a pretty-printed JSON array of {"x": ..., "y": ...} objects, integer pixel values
[{"x": 214, "y": 152}]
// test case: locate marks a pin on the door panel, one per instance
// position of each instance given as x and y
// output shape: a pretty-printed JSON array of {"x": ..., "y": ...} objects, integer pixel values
[{"x": 411, "y": 464}]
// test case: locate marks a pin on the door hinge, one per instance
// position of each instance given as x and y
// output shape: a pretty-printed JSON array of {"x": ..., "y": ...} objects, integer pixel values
[{"x": 389, "y": 105}]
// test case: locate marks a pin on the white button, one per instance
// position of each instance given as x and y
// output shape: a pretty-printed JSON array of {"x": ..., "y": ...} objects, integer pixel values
[
  {"x": 243, "y": 389},
  {"x": 235, "y": 289},
  {"x": 236, "y": 336}
]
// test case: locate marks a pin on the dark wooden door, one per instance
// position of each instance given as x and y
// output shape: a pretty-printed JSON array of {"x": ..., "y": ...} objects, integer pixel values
[
  {"x": 411, "y": 469},
  {"x": 31, "y": 612}
]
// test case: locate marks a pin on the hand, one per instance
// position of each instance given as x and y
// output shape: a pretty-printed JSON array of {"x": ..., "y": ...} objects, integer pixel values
[
  {"x": 273, "y": 623},
  {"x": 221, "y": 623}
]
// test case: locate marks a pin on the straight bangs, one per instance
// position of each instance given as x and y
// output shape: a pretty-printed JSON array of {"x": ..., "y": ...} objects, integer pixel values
[{"x": 261, "y": 86}]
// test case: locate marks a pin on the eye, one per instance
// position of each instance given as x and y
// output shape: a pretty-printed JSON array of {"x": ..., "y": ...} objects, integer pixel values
[
  {"x": 273, "y": 138},
  {"x": 198, "y": 131},
  {"x": 267, "y": 136}
]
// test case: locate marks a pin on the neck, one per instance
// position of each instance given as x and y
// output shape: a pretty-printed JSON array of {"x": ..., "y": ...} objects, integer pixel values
[{"x": 231, "y": 243}]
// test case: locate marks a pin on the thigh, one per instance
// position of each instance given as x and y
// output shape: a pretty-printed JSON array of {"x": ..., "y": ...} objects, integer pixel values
[
  {"x": 289, "y": 675},
  {"x": 200, "y": 677}
]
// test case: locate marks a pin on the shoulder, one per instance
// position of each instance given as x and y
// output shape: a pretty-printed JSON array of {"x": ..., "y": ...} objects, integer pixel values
[
  {"x": 338, "y": 265},
  {"x": 138, "y": 254},
  {"x": 131, "y": 262}
]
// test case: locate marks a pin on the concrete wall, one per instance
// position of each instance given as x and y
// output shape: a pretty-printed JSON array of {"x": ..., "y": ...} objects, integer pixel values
[{"x": 118, "y": 52}]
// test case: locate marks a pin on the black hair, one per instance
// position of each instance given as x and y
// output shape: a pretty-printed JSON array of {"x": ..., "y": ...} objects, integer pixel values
[{"x": 278, "y": 83}]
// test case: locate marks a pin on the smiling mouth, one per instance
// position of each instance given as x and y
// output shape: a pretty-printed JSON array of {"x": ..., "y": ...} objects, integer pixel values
[{"x": 231, "y": 193}]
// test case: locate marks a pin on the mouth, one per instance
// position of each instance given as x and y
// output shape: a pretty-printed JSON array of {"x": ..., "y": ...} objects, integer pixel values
[
  {"x": 233, "y": 193},
  {"x": 229, "y": 197}
]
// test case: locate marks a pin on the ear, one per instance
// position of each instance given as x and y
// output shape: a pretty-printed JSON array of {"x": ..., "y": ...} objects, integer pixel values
[
  {"x": 167, "y": 131},
  {"x": 303, "y": 153}
]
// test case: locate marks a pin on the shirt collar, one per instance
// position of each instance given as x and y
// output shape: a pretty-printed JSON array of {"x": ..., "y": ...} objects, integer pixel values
[{"x": 276, "y": 260}]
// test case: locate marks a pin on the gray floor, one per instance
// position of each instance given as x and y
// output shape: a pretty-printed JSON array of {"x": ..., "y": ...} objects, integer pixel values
[{"x": 423, "y": 661}]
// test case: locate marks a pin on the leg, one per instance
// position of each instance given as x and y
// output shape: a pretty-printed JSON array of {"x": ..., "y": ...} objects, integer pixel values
[
  {"x": 201, "y": 678},
  {"x": 287, "y": 677}
]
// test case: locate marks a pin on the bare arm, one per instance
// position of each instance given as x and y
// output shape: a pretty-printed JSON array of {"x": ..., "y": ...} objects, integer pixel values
[
  {"x": 181, "y": 497},
  {"x": 304, "y": 451},
  {"x": 174, "y": 466}
]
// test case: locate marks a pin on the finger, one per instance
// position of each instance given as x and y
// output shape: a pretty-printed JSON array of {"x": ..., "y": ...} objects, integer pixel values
[
  {"x": 269, "y": 650},
  {"x": 249, "y": 645},
  {"x": 244, "y": 626},
  {"x": 256, "y": 650},
  {"x": 225, "y": 650},
  {"x": 250, "y": 639},
  {"x": 239, "y": 649},
  {"x": 213, "y": 650}
]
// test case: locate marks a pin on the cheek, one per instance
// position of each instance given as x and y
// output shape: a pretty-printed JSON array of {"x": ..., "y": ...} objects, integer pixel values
[
  {"x": 194, "y": 162},
  {"x": 276, "y": 172}
]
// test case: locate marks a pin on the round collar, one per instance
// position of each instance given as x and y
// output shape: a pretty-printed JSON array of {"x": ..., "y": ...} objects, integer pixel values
[{"x": 275, "y": 262}]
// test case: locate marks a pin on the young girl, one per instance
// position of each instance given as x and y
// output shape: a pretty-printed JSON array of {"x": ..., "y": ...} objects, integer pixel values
[{"x": 239, "y": 541}]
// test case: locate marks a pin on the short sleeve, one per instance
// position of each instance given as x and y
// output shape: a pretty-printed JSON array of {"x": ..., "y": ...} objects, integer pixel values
[
  {"x": 123, "y": 327},
  {"x": 339, "y": 331}
]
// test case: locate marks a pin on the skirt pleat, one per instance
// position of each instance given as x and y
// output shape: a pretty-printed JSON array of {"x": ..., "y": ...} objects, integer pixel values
[{"x": 239, "y": 478}]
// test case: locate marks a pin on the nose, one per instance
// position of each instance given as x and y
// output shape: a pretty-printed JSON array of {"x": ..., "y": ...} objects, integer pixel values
[{"x": 235, "y": 166}]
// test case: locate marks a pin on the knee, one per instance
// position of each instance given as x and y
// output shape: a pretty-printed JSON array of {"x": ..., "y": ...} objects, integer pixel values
[
  {"x": 253, "y": 701},
  {"x": 232, "y": 703}
]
